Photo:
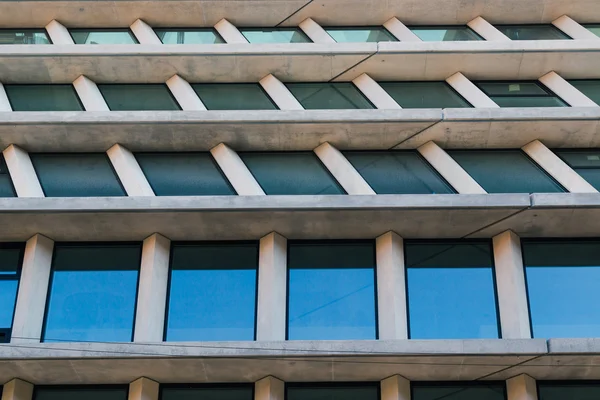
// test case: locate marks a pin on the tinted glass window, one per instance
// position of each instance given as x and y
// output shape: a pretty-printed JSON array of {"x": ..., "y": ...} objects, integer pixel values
[
  {"x": 562, "y": 283},
  {"x": 102, "y": 36},
  {"x": 424, "y": 95},
  {"x": 189, "y": 36},
  {"x": 78, "y": 393},
  {"x": 363, "y": 34},
  {"x": 400, "y": 172},
  {"x": 290, "y": 173},
  {"x": 444, "y": 33},
  {"x": 43, "y": 98},
  {"x": 591, "y": 88},
  {"x": 184, "y": 174},
  {"x": 458, "y": 391},
  {"x": 275, "y": 35},
  {"x": 92, "y": 293},
  {"x": 594, "y": 28},
  {"x": 212, "y": 293},
  {"x": 23, "y": 36},
  {"x": 451, "y": 290},
  {"x": 575, "y": 390},
  {"x": 138, "y": 97},
  {"x": 233, "y": 96},
  {"x": 520, "y": 94},
  {"x": 532, "y": 32},
  {"x": 228, "y": 392},
  {"x": 6, "y": 186},
  {"x": 76, "y": 175},
  {"x": 332, "y": 391},
  {"x": 585, "y": 162},
  {"x": 329, "y": 96},
  {"x": 11, "y": 257},
  {"x": 331, "y": 291},
  {"x": 505, "y": 171}
]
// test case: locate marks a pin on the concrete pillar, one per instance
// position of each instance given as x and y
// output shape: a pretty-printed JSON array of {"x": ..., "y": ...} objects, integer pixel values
[
  {"x": 375, "y": 93},
  {"x": 4, "y": 102},
  {"x": 566, "y": 91},
  {"x": 129, "y": 172},
  {"x": 33, "y": 290},
  {"x": 446, "y": 166},
  {"x": 395, "y": 387},
  {"x": 89, "y": 94},
  {"x": 557, "y": 168},
  {"x": 269, "y": 388},
  {"x": 315, "y": 32},
  {"x": 229, "y": 32},
  {"x": 512, "y": 292},
  {"x": 391, "y": 287},
  {"x": 236, "y": 171},
  {"x": 17, "y": 389},
  {"x": 144, "y": 33},
  {"x": 521, "y": 387},
  {"x": 143, "y": 389},
  {"x": 341, "y": 169},
  {"x": 184, "y": 94},
  {"x": 487, "y": 30},
  {"x": 470, "y": 91},
  {"x": 573, "y": 29},
  {"x": 279, "y": 93},
  {"x": 272, "y": 288},
  {"x": 400, "y": 31},
  {"x": 58, "y": 33},
  {"x": 22, "y": 173}
]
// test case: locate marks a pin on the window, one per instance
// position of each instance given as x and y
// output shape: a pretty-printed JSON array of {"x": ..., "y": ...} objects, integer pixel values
[
  {"x": 88, "y": 392},
  {"x": 332, "y": 391},
  {"x": 585, "y": 162},
  {"x": 444, "y": 33},
  {"x": 6, "y": 186},
  {"x": 424, "y": 95},
  {"x": 189, "y": 36},
  {"x": 233, "y": 96},
  {"x": 230, "y": 391},
  {"x": 362, "y": 34},
  {"x": 397, "y": 172},
  {"x": 591, "y": 88},
  {"x": 76, "y": 175},
  {"x": 329, "y": 96},
  {"x": 212, "y": 294},
  {"x": 520, "y": 94},
  {"x": 103, "y": 36},
  {"x": 275, "y": 35},
  {"x": 93, "y": 291},
  {"x": 488, "y": 390},
  {"x": 184, "y": 174},
  {"x": 291, "y": 173},
  {"x": 594, "y": 28},
  {"x": 11, "y": 259},
  {"x": 576, "y": 390},
  {"x": 150, "y": 97},
  {"x": 331, "y": 290},
  {"x": 532, "y": 32},
  {"x": 451, "y": 290},
  {"x": 505, "y": 171},
  {"x": 43, "y": 98},
  {"x": 562, "y": 286},
  {"x": 23, "y": 36}
]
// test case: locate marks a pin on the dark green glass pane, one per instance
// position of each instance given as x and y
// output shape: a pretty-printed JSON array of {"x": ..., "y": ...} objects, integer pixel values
[
  {"x": 577, "y": 390},
  {"x": 290, "y": 173},
  {"x": 444, "y": 33},
  {"x": 452, "y": 391},
  {"x": 97, "y": 257},
  {"x": 91, "y": 393},
  {"x": 6, "y": 186},
  {"x": 309, "y": 255},
  {"x": 585, "y": 162},
  {"x": 102, "y": 36},
  {"x": 328, "y": 96},
  {"x": 449, "y": 255},
  {"x": 525, "y": 101},
  {"x": 505, "y": 171},
  {"x": 357, "y": 35},
  {"x": 23, "y": 36},
  {"x": 594, "y": 28},
  {"x": 512, "y": 88},
  {"x": 333, "y": 392},
  {"x": 424, "y": 95},
  {"x": 149, "y": 97},
  {"x": 275, "y": 35},
  {"x": 233, "y": 96},
  {"x": 189, "y": 36},
  {"x": 43, "y": 98},
  {"x": 76, "y": 175},
  {"x": 591, "y": 88},
  {"x": 10, "y": 259},
  {"x": 209, "y": 393},
  {"x": 532, "y": 32}
]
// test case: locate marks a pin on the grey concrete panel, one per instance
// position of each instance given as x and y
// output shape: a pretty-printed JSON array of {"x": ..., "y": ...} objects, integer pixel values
[{"x": 574, "y": 346}]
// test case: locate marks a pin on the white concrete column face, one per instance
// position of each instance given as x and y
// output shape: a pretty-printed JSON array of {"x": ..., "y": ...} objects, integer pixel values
[
  {"x": 144, "y": 33},
  {"x": 521, "y": 387},
  {"x": 269, "y": 388},
  {"x": 90, "y": 95},
  {"x": 279, "y": 93},
  {"x": 400, "y": 31},
  {"x": 236, "y": 171},
  {"x": 58, "y": 33},
  {"x": 470, "y": 91},
  {"x": 17, "y": 389},
  {"x": 129, "y": 172},
  {"x": 22, "y": 173},
  {"x": 229, "y": 32},
  {"x": 487, "y": 30},
  {"x": 185, "y": 94},
  {"x": 375, "y": 93},
  {"x": 395, "y": 388},
  {"x": 573, "y": 29},
  {"x": 143, "y": 389},
  {"x": 4, "y": 103},
  {"x": 315, "y": 32},
  {"x": 566, "y": 91},
  {"x": 342, "y": 170}
]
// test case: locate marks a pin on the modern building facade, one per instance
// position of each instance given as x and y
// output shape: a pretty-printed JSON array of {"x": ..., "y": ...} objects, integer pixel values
[{"x": 300, "y": 200}]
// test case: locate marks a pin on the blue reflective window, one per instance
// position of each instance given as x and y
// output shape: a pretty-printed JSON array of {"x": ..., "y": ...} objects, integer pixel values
[
  {"x": 332, "y": 391},
  {"x": 92, "y": 293},
  {"x": 424, "y": 95},
  {"x": 207, "y": 392},
  {"x": 184, "y": 174},
  {"x": 212, "y": 293},
  {"x": 586, "y": 162},
  {"x": 520, "y": 94},
  {"x": 24, "y": 36},
  {"x": 88, "y": 392},
  {"x": 331, "y": 290},
  {"x": 451, "y": 290},
  {"x": 233, "y": 96},
  {"x": 43, "y": 98},
  {"x": 189, "y": 36},
  {"x": 589, "y": 87},
  {"x": 138, "y": 97},
  {"x": 103, "y": 36},
  {"x": 275, "y": 35},
  {"x": 6, "y": 186},
  {"x": 458, "y": 390},
  {"x": 562, "y": 284},
  {"x": 444, "y": 33},
  {"x": 76, "y": 175},
  {"x": 532, "y": 32},
  {"x": 11, "y": 258},
  {"x": 397, "y": 172},
  {"x": 362, "y": 34},
  {"x": 569, "y": 390},
  {"x": 329, "y": 96}
]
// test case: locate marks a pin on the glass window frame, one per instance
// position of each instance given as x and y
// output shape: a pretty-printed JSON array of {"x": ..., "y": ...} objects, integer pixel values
[
  {"x": 194, "y": 29},
  {"x": 120, "y": 30},
  {"x": 262, "y": 89},
  {"x": 282, "y": 28},
  {"x": 336, "y": 385},
  {"x": 211, "y": 385},
  {"x": 453, "y": 90},
  {"x": 7, "y": 331},
  {"x": 586, "y": 80},
  {"x": 458, "y": 384},
  {"x": 358, "y": 91},
  {"x": 170, "y": 94},
  {"x": 91, "y": 387},
  {"x": 47, "y": 84},
  {"x": 548, "y": 92},
  {"x": 441, "y": 27},
  {"x": 4, "y": 166},
  {"x": 30, "y": 30},
  {"x": 565, "y": 383},
  {"x": 367, "y": 27},
  {"x": 552, "y": 27}
]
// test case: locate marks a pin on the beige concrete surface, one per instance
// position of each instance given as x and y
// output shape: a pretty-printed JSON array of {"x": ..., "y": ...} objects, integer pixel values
[
  {"x": 521, "y": 387},
  {"x": 573, "y": 28},
  {"x": 89, "y": 94},
  {"x": 58, "y": 33},
  {"x": 563, "y": 89},
  {"x": 342, "y": 170},
  {"x": 129, "y": 172},
  {"x": 400, "y": 31},
  {"x": 271, "y": 318},
  {"x": 17, "y": 389},
  {"x": 279, "y": 93},
  {"x": 144, "y": 33},
  {"x": 315, "y": 32},
  {"x": 21, "y": 172},
  {"x": 269, "y": 388},
  {"x": 4, "y": 102},
  {"x": 184, "y": 94},
  {"x": 229, "y": 32},
  {"x": 487, "y": 30},
  {"x": 235, "y": 171},
  {"x": 143, "y": 389},
  {"x": 470, "y": 91},
  {"x": 375, "y": 93},
  {"x": 395, "y": 387}
]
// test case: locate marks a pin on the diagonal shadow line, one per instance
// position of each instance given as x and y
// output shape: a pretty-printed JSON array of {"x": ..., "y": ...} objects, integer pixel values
[{"x": 294, "y": 13}]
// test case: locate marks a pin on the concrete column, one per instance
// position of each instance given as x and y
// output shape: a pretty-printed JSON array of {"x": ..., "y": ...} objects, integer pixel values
[
  {"x": 129, "y": 172},
  {"x": 487, "y": 30},
  {"x": 375, "y": 93},
  {"x": 566, "y": 91},
  {"x": 280, "y": 94},
  {"x": 315, "y": 32},
  {"x": 33, "y": 290},
  {"x": 22, "y": 173},
  {"x": 400, "y": 31},
  {"x": 143, "y": 389},
  {"x": 229, "y": 32},
  {"x": 573, "y": 29},
  {"x": 557, "y": 168},
  {"x": 391, "y": 287},
  {"x": 470, "y": 91},
  {"x": 269, "y": 388},
  {"x": 521, "y": 387},
  {"x": 144, "y": 33},
  {"x": 58, "y": 33},
  {"x": 446, "y": 166},
  {"x": 17, "y": 389},
  {"x": 512, "y": 292},
  {"x": 236, "y": 171},
  {"x": 272, "y": 288},
  {"x": 184, "y": 94},
  {"x": 90, "y": 95},
  {"x": 395, "y": 387},
  {"x": 342, "y": 170},
  {"x": 4, "y": 103}
]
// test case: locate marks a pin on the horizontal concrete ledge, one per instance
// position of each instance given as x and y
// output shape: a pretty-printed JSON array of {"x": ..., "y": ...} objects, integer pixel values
[
  {"x": 560, "y": 200},
  {"x": 574, "y": 346}
]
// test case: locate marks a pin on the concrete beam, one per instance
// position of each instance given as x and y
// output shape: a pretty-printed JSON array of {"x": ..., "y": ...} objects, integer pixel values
[
  {"x": 235, "y": 171},
  {"x": 58, "y": 33},
  {"x": 4, "y": 102},
  {"x": 521, "y": 387},
  {"x": 279, "y": 93},
  {"x": 470, "y": 91},
  {"x": 375, "y": 93},
  {"x": 315, "y": 32},
  {"x": 17, "y": 389},
  {"x": 229, "y": 32},
  {"x": 487, "y": 30},
  {"x": 89, "y": 94},
  {"x": 342, "y": 170},
  {"x": 144, "y": 33},
  {"x": 129, "y": 172},
  {"x": 573, "y": 29},
  {"x": 395, "y": 387},
  {"x": 143, "y": 389},
  {"x": 400, "y": 31},
  {"x": 269, "y": 388},
  {"x": 185, "y": 94},
  {"x": 22, "y": 173},
  {"x": 566, "y": 91}
]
